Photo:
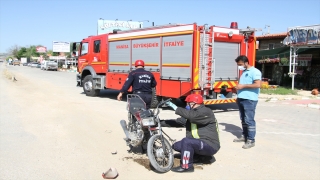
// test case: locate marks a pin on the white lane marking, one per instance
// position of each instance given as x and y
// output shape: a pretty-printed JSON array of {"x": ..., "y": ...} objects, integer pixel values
[{"x": 269, "y": 120}]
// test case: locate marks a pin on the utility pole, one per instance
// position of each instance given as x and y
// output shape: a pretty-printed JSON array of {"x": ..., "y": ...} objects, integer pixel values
[{"x": 267, "y": 26}]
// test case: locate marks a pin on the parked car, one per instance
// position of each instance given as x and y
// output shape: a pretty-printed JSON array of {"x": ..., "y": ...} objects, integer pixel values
[
  {"x": 34, "y": 64},
  {"x": 25, "y": 64},
  {"x": 16, "y": 63},
  {"x": 49, "y": 65}
]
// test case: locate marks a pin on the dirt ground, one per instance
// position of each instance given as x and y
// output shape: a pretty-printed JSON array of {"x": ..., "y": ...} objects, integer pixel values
[{"x": 51, "y": 130}]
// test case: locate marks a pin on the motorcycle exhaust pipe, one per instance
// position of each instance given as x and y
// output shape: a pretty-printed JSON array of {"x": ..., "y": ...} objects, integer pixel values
[{"x": 124, "y": 127}]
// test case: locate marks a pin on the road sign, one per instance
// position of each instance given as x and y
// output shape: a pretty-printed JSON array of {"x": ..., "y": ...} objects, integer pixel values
[{"x": 60, "y": 46}]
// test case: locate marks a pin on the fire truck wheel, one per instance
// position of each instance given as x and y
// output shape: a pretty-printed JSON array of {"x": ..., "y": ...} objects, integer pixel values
[
  {"x": 88, "y": 88},
  {"x": 155, "y": 99}
]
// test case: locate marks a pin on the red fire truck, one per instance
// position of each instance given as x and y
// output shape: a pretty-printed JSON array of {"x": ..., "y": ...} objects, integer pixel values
[{"x": 184, "y": 58}]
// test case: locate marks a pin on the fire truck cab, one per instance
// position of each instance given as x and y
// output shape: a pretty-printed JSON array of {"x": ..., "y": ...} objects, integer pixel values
[{"x": 184, "y": 58}]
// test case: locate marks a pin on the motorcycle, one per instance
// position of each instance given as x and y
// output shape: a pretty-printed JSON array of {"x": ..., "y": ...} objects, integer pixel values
[{"x": 144, "y": 128}]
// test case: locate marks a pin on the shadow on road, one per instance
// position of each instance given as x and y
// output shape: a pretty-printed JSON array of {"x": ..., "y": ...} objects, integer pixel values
[
  {"x": 233, "y": 129},
  {"x": 110, "y": 94}
]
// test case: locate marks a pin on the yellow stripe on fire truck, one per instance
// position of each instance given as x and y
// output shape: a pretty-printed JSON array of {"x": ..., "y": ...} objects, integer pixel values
[
  {"x": 98, "y": 63},
  {"x": 196, "y": 68},
  {"x": 219, "y": 101},
  {"x": 220, "y": 84}
]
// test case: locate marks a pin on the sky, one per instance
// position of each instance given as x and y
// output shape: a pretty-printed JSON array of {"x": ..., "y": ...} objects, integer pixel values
[{"x": 39, "y": 22}]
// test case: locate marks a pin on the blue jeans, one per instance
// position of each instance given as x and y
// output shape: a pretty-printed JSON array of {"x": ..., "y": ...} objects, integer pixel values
[{"x": 247, "y": 109}]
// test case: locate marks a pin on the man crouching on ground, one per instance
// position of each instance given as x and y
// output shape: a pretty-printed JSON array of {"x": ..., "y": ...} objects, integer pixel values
[{"x": 202, "y": 136}]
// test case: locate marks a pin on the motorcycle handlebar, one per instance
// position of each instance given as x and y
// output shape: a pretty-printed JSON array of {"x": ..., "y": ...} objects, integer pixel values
[{"x": 163, "y": 102}]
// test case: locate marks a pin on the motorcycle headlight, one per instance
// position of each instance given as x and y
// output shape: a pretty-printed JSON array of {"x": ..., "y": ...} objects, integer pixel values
[{"x": 148, "y": 121}]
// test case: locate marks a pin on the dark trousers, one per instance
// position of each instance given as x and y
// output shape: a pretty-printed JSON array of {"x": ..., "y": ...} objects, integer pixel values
[
  {"x": 247, "y": 109},
  {"x": 190, "y": 146},
  {"x": 146, "y": 98}
]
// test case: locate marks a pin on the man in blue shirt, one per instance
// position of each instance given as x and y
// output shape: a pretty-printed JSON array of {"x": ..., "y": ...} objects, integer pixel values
[{"x": 248, "y": 90}]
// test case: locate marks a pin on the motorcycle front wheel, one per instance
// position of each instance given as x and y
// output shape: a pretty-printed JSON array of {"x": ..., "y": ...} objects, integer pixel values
[{"x": 161, "y": 160}]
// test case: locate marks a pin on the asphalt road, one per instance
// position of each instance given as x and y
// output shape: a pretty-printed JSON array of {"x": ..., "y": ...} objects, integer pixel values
[{"x": 50, "y": 130}]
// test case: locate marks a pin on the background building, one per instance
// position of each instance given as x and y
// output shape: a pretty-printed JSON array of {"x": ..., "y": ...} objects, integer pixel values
[{"x": 273, "y": 55}]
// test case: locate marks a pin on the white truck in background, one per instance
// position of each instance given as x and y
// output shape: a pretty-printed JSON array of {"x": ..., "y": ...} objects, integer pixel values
[
  {"x": 49, "y": 65},
  {"x": 23, "y": 60}
]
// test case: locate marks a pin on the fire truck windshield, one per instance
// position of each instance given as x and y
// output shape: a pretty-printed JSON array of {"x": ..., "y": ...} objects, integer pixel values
[{"x": 84, "y": 48}]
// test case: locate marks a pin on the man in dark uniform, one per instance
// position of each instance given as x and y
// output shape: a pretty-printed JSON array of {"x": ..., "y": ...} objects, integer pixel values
[
  {"x": 202, "y": 137},
  {"x": 142, "y": 82}
]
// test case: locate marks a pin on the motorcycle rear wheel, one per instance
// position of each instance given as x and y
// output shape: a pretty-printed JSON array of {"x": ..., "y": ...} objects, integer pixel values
[{"x": 160, "y": 160}]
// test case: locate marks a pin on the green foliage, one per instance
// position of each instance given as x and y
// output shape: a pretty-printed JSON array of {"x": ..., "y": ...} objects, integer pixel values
[
  {"x": 21, "y": 53},
  {"x": 9, "y": 57},
  {"x": 31, "y": 51},
  {"x": 55, "y": 54},
  {"x": 280, "y": 91},
  {"x": 52, "y": 53}
]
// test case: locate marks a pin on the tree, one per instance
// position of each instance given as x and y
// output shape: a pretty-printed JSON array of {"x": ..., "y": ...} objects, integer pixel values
[
  {"x": 50, "y": 52},
  {"x": 9, "y": 57},
  {"x": 32, "y": 51},
  {"x": 28, "y": 52},
  {"x": 14, "y": 51},
  {"x": 21, "y": 53}
]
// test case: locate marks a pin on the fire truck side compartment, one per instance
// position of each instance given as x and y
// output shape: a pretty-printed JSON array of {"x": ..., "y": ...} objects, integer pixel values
[
  {"x": 148, "y": 50},
  {"x": 225, "y": 54},
  {"x": 177, "y": 58},
  {"x": 119, "y": 56}
]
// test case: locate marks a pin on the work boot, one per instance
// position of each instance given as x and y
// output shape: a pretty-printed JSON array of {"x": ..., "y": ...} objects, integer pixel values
[
  {"x": 202, "y": 159},
  {"x": 179, "y": 169},
  {"x": 208, "y": 160},
  {"x": 240, "y": 139},
  {"x": 248, "y": 144}
]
